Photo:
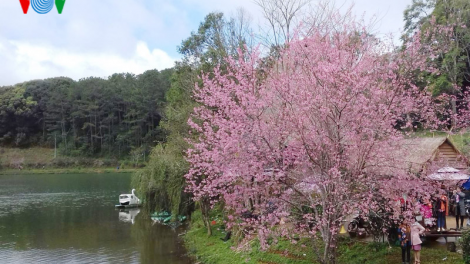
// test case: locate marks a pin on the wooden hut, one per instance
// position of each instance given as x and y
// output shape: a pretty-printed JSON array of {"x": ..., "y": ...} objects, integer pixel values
[
  {"x": 426, "y": 155},
  {"x": 427, "y": 151}
]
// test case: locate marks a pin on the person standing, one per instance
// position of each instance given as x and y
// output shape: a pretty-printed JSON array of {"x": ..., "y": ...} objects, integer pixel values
[
  {"x": 441, "y": 209},
  {"x": 459, "y": 198},
  {"x": 416, "y": 231},
  {"x": 426, "y": 212},
  {"x": 451, "y": 203},
  {"x": 404, "y": 235}
]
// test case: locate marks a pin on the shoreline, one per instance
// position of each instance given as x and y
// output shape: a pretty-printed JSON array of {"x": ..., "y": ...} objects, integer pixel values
[
  {"x": 65, "y": 171},
  {"x": 40, "y": 160}
]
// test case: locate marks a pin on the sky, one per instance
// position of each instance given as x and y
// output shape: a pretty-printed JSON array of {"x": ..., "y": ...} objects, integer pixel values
[{"x": 102, "y": 37}]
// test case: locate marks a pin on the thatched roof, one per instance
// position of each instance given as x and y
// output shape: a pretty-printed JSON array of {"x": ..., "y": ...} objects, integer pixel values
[{"x": 421, "y": 151}]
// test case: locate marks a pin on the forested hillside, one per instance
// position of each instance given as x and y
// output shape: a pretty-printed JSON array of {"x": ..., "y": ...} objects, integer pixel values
[{"x": 113, "y": 117}]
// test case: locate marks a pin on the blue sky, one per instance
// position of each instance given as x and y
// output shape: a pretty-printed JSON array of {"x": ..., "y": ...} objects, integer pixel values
[{"x": 101, "y": 37}]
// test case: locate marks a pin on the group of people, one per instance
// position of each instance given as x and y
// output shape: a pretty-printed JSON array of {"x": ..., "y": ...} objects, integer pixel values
[
  {"x": 409, "y": 236},
  {"x": 438, "y": 209},
  {"x": 409, "y": 231}
]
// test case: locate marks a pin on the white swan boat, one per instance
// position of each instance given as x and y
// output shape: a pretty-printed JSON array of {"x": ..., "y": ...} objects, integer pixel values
[
  {"x": 128, "y": 215},
  {"x": 128, "y": 200}
]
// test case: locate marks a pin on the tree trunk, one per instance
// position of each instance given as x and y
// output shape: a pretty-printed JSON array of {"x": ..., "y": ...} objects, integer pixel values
[
  {"x": 205, "y": 209},
  {"x": 454, "y": 112},
  {"x": 91, "y": 134},
  {"x": 329, "y": 248},
  {"x": 330, "y": 251},
  {"x": 44, "y": 129}
]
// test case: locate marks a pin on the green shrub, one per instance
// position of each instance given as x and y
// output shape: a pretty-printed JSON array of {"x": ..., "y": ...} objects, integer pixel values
[{"x": 465, "y": 243}]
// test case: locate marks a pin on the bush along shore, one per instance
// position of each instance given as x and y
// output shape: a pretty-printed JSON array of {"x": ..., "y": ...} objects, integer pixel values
[
  {"x": 43, "y": 160},
  {"x": 214, "y": 250},
  {"x": 65, "y": 171}
]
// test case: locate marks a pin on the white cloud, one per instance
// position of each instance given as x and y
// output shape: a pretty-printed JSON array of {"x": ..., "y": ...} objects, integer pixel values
[
  {"x": 102, "y": 37},
  {"x": 23, "y": 61}
]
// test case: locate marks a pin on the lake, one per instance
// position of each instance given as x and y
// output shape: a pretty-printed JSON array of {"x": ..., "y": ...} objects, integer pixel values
[{"x": 71, "y": 218}]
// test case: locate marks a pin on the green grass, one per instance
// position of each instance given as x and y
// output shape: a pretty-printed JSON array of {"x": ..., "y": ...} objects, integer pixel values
[
  {"x": 41, "y": 160},
  {"x": 9, "y": 157},
  {"x": 461, "y": 142},
  {"x": 354, "y": 252},
  {"x": 65, "y": 171},
  {"x": 212, "y": 250}
]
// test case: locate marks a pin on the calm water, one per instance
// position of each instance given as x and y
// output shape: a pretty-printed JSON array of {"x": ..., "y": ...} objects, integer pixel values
[{"x": 71, "y": 219}]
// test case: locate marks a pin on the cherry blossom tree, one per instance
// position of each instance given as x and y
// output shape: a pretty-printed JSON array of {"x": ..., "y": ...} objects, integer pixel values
[{"x": 293, "y": 150}]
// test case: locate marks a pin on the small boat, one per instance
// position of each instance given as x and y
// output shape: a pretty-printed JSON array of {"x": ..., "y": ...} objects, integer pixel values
[
  {"x": 128, "y": 215},
  {"x": 165, "y": 217},
  {"x": 128, "y": 200},
  {"x": 162, "y": 217}
]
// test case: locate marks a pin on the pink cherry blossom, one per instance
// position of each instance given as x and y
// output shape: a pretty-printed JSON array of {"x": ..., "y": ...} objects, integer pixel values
[{"x": 294, "y": 149}]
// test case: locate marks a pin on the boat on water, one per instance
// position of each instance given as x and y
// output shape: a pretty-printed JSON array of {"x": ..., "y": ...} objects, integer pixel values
[
  {"x": 128, "y": 200},
  {"x": 128, "y": 215},
  {"x": 166, "y": 217}
]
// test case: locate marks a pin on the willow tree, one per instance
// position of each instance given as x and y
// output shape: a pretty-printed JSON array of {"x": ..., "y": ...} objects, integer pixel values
[{"x": 163, "y": 179}]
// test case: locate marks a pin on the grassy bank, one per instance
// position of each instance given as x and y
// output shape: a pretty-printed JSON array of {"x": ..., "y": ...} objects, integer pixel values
[
  {"x": 41, "y": 160},
  {"x": 212, "y": 250},
  {"x": 65, "y": 171},
  {"x": 31, "y": 157}
]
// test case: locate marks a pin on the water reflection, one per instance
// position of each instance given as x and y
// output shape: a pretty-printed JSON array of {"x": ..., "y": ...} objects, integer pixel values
[
  {"x": 128, "y": 215},
  {"x": 437, "y": 242},
  {"x": 72, "y": 219}
]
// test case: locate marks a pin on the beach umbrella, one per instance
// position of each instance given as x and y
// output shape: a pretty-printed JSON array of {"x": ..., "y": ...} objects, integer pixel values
[
  {"x": 448, "y": 174},
  {"x": 466, "y": 185}
]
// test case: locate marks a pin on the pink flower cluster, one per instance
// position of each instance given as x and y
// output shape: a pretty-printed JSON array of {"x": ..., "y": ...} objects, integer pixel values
[{"x": 295, "y": 148}]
